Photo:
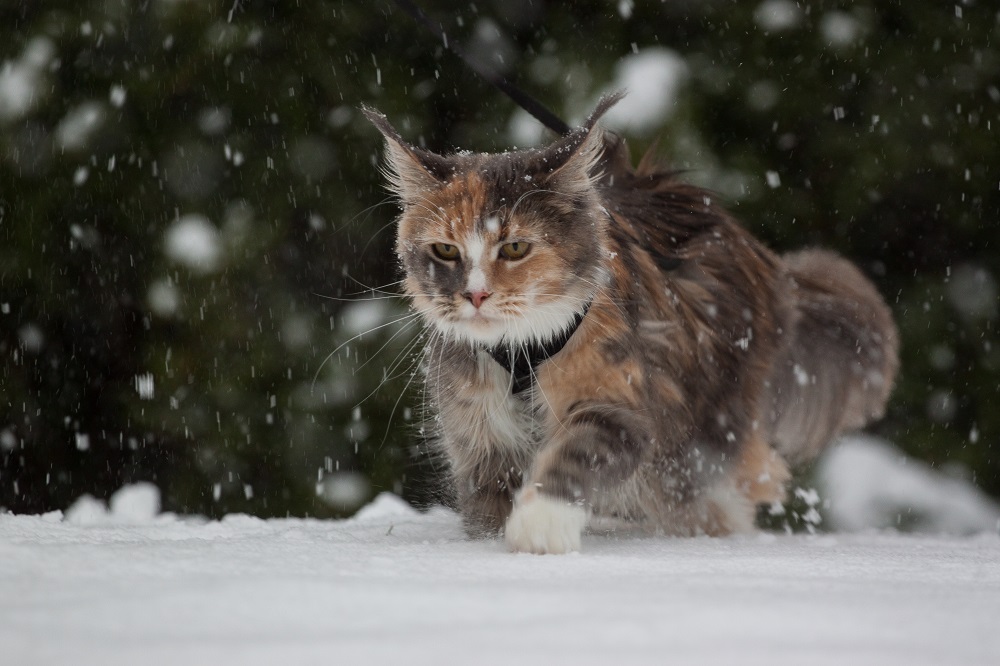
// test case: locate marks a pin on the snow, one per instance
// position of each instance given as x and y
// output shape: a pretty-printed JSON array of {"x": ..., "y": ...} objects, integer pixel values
[
  {"x": 871, "y": 484},
  {"x": 972, "y": 290},
  {"x": 214, "y": 120},
  {"x": 652, "y": 78},
  {"x": 524, "y": 131},
  {"x": 80, "y": 175},
  {"x": 296, "y": 331},
  {"x": 80, "y": 125},
  {"x": 32, "y": 337},
  {"x": 163, "y": 297},
  {"x": 22, "y": 80},
  {"x": 8, "y": 441},
  {"x": 839, "y": 29},
  {"x": 126, "y": 585},
  {"x": 763, "y": 95},
  {"x": 137, "y": 504},
  {"x": 145, "y": 386},
  {"x": 194, "y": 241},
  {"x": 117, "y": 96},
  {"x": 363, "y": 316},
  {"x": 312, "y": 158},
  {"x": 778, "y": 15},
  {"x": 343, "y": 490}
]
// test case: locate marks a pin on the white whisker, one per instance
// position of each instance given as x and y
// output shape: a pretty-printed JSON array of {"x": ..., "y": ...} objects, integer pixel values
[{"x": 405, "y": 317}]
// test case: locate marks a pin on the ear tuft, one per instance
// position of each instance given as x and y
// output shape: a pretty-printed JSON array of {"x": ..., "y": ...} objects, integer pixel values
[
  {"x": 573, "y": 159},
  {"x": 603, "y": 106},
  {"x": 411, "y": 171}
]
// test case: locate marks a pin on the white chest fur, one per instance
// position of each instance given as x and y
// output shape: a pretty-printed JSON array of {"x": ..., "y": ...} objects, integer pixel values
[{"x": 483, "y": 421}]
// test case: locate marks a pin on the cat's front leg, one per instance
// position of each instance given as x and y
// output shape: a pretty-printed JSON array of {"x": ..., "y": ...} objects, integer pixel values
[
  {"x": 485, "y": 509},
  {"x": 485, "y": 492},
  {"x": 594, "y": 453},
  {"x": 541, "y": 523}
]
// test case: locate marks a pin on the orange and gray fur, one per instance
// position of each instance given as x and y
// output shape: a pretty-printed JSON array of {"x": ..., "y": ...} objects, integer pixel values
[{"x": 704, "y": 364}]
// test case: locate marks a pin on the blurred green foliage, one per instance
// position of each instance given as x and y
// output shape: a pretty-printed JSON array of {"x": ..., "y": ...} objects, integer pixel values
[{"x": 193, "y": 228}]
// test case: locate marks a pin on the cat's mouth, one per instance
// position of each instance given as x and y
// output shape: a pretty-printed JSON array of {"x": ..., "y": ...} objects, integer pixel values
[
  {"x": 479, "y": 316},
  {"x": 505, "y": 320},
  {"x": 475, "y": 325},
  {"x": 479, "y": 320}
]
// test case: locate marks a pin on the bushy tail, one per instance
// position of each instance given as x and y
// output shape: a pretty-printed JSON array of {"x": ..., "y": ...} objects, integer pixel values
[{"x": 839, "y": 363}]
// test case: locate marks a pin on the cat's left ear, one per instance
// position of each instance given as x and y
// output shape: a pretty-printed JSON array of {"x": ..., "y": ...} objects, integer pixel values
[
  {"x": 573, "y": 160},
  {"x": 412, "y": 171}
]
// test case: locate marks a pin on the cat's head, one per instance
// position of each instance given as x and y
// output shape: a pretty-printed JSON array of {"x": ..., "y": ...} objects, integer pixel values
[{"x": 501, "y": 248}]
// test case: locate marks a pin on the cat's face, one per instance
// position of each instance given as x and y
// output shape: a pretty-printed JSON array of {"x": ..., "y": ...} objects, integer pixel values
[
  {"x": 490, "y": 260},
  {"x": 503, "y": 248}
]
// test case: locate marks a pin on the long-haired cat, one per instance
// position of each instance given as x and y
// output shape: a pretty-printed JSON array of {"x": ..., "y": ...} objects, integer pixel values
[{"x": 606, "y": 341}]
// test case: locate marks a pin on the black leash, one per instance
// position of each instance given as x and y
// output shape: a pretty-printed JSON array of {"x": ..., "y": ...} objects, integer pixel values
[{"x": 521, "y": 98}]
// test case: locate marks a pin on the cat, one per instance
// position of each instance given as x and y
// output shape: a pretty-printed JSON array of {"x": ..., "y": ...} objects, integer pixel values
[{"x": 606, "y": 341}]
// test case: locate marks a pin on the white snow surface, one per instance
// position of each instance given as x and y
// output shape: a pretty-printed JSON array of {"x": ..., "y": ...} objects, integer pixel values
[{"x": 393, "y": 585}]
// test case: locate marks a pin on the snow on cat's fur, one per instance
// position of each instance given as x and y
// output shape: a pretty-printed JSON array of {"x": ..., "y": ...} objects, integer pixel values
[{"x": 702, "y": 362}]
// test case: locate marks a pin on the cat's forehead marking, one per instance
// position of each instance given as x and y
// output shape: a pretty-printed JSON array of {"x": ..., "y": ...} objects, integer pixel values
[
  {"x": 475, "y": 249},
  {"x": 468, "y": 187},
  {"x": 473, "y": 206},
  {"x": 464, "y": 198}
]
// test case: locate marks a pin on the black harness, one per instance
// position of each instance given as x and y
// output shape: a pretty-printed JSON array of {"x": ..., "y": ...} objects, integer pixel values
[{"x": 522, "y": 361}]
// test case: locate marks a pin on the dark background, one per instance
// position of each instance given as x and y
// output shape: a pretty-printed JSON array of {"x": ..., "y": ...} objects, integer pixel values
[{"x": 122, "y": 360}]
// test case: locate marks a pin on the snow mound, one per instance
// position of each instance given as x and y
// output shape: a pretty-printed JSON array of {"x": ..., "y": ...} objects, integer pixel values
[
  {"x": 872, "y": 484},
  {"x": 136, "y": 504},
  {"x": 87, "y": 510},
  {"x": 385, "y": 506}
]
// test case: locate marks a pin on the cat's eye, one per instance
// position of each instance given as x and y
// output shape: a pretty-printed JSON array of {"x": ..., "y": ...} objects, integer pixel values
[
  {"x": 446, "y": 251},
  {"x": 515, "y": 250}
]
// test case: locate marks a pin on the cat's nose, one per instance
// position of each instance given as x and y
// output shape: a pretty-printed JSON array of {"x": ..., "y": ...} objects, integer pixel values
[{"x": 476, "y": 297}]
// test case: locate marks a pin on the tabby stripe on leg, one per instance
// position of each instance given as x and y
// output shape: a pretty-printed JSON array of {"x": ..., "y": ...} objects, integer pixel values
[{"x": 601, "y": 451}]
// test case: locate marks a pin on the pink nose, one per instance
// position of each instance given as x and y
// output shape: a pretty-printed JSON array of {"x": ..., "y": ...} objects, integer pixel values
[{"x": 477, "y": 297}]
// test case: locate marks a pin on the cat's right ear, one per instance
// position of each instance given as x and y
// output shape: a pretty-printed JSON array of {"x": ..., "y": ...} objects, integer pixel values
[{"x": 411, "y": 171}]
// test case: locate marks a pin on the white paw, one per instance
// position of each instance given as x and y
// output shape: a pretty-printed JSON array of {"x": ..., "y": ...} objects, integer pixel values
[{"x": 541, "y": 524}]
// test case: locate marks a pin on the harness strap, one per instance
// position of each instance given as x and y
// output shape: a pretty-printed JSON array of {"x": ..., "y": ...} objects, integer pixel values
[{"x": 522, "y": 361}]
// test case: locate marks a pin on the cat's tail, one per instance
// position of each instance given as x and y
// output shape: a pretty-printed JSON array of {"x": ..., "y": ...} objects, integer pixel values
[{"x": 839, "y": 361}]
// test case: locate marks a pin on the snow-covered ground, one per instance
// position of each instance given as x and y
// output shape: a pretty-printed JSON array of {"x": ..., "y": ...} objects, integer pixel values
[{"x": 125, "y": 585}]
